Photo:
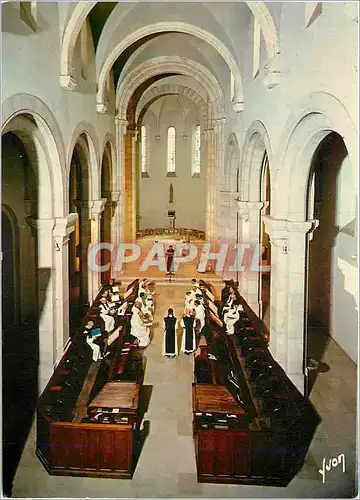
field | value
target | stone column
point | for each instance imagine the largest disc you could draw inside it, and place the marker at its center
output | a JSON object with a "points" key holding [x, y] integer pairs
{"points": [[134, 186], [46, 293], [209, 161], [250, 233], [288, 241], [61, 234], [298, 237], [129, 193], [118, 183], [213, 156], [96, 207], [218, 166]]}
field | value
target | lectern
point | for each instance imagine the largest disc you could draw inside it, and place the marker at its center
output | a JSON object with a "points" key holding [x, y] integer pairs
{"points": [[171, 217]]}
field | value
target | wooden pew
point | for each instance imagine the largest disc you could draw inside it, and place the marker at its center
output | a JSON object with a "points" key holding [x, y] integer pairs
{"points": [[251, 426], [68, 441]]}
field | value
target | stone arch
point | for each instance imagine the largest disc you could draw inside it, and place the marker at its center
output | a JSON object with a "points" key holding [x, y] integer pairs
{"points": [[81, 11], [91, 150], [163, 27], [148, 97], [48, 137], [232, 157], [159, 65], [313, 119], [42, 211], [268, 28], [256, 144], [109, 143]]}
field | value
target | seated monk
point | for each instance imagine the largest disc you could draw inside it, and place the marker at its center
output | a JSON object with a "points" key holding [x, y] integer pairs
{"points": [[96, 340]]}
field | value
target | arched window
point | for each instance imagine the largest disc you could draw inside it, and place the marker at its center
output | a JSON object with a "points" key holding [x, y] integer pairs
{"points": [[196, 151], [144, 155], [171, 150]]}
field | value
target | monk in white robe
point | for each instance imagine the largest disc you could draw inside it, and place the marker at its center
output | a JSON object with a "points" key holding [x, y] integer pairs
{"points": [[138, 327], [107, 314], [231, 316]]}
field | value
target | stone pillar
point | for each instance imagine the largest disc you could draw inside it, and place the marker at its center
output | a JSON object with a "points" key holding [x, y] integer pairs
{"points": [[218, 166], [46, 302], [288, 241], [118, 183], [96, 207], [116, 221], [209, 165], [250, 233], [130, 186], [61, 234], [213, 159], [134, 186]]}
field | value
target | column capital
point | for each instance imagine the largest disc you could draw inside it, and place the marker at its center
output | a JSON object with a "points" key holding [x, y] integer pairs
{"points": [[96, 207], [208, 132], [64, 226], [219, 124], [115, 196], [121, 124], [238, 105], [272, 73], [279, 230], [101, 108], [40, 224], [246, 207], [68, 82]]}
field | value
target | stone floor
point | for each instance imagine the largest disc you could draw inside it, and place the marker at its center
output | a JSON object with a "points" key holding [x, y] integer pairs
{"points": [[166, 467]]}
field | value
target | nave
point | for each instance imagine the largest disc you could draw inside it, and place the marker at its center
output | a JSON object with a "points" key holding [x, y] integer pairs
{"points": [[167, 468]]}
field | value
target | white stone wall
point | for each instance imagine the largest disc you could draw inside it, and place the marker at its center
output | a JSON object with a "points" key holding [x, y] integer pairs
{"points": [[30, 65], [189, 192]]}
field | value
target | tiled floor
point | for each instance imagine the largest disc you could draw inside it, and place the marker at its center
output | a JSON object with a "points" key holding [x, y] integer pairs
{"points": [[166, 467]]}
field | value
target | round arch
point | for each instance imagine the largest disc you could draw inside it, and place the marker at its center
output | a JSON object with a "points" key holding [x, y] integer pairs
{"points": [[167, 89], [164, 27], [41, 123], [256, 143], [81, 11], [91, 150], [314, 118], [159, 65]]}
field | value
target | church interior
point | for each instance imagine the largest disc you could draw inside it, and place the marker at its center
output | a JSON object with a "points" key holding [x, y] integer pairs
{"points": [[228, 130]]}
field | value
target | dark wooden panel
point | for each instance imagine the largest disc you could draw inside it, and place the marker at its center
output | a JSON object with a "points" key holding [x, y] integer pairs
{"points": [[107, 450], [241, 454], [123, 450], [59, 446], [207, 452], [43, 436], [90, 448], [224, 444]]}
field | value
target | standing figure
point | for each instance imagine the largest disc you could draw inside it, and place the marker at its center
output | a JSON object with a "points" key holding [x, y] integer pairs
{"points": [[231, 316], [138, 327], [199, 316], [189, 300], [148, 316], [188, 344], [170, 260], [170, 338], [107, 314]]}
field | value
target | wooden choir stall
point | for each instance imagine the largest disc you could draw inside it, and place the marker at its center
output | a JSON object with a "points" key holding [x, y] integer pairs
{"points": [[88, 416], [250, 423]]}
